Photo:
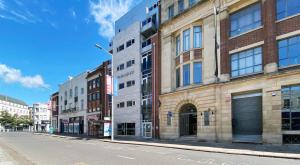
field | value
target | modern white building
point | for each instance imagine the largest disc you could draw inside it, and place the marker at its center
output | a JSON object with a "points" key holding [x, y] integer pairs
{"points": [[41, 117], [13, 106], [72, 105], [126, 57]]}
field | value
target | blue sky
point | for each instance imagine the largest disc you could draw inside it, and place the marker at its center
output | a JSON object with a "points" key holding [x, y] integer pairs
{"points": [[44, 42]]}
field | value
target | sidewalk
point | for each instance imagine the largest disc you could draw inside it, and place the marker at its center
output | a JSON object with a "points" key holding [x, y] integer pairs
{"points": [[6, 159], [284, 151]]}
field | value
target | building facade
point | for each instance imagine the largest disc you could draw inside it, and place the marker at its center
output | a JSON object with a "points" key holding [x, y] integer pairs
{"points": [[13, 106], [72, 105], [232, 75], [54, 110], [133, 46], [99, 99], [41, 115]]}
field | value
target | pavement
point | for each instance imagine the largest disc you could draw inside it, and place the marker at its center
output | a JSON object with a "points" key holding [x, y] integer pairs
{"points": [[274, 151]]}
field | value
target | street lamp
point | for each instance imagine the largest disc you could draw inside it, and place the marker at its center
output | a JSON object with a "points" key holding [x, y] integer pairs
{"points": [[112, 104]]}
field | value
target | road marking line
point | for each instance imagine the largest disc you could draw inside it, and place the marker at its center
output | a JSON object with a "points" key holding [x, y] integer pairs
{"points": [[125, 157]]}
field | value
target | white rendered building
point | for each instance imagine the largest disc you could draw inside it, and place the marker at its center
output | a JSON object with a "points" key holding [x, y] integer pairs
{"points": [[41, 117], [13, 106], [72, 105]]}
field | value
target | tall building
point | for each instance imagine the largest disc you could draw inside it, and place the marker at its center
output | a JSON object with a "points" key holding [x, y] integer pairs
{"points": [[132, 49], [72, 105], [231, 75], [41, 115], [99, 99], [13, 106], [54, 110]]}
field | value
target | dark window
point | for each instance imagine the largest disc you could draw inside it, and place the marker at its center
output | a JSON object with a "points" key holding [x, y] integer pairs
{"points": [[197, 72], [180, 6], [286, 8], [126, 129], [177, 77], [186, 74], [171, 11], [121, 105], [130, 103], [121, 86], [121, 67], [206, 118], [245, 20], [186, 40], [120, 48], [130, 83], [289, 51], [129, 43], [291, 108], [130, 63], [178, 45], [246, 62]]}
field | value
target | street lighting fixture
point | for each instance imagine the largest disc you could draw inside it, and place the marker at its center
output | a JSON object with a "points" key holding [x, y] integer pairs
{"points": [[112, 105]]}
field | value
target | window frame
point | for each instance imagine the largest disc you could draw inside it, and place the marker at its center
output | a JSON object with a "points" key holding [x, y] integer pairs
{"points": [[290, 57], [186, 35], [200, 37], [188, 74], [201, 71]]}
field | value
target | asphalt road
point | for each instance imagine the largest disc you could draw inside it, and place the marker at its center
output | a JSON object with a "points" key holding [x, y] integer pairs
{"points": [[27, 148]]}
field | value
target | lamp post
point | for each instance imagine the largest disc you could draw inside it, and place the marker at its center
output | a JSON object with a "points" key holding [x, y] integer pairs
{"points": [[112, 104]]}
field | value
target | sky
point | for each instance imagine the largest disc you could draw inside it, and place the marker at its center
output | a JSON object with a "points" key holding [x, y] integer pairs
{"points": [[42, 42]]}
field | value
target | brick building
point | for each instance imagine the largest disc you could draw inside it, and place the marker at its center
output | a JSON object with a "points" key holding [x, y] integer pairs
{"points": [[54, 110], [252, 92], [98, 100]]}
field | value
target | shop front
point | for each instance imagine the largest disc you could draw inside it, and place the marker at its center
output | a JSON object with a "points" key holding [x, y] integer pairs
{"points": [[73, 125], [95, 126]]}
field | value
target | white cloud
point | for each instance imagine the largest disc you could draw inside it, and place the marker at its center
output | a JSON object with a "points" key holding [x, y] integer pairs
{"points": [[2, 6], [12, 75], [73, 14], [106, 12]]}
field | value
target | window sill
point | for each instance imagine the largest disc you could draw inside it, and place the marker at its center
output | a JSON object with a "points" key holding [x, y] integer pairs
{"points": [[286, 18], [259, 27], [246, 75], [295, 66]]}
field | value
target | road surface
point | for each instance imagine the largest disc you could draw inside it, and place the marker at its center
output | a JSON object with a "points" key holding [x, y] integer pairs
{"points": [[27, 148]]}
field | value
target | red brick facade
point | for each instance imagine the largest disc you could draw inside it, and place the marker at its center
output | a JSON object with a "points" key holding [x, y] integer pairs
{"points": [[270, 29]]}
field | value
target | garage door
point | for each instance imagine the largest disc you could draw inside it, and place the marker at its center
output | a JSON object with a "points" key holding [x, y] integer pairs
{"points": [[247, 118]]}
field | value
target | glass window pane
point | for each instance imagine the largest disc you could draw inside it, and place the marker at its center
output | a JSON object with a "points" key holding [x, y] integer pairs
{"points": [[197, 72], [186, 74]]}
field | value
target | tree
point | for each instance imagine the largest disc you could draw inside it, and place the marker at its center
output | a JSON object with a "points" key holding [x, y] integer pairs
{"points": [[7, 119]]}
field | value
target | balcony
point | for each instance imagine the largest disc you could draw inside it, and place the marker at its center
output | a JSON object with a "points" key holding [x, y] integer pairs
{"points": [[146, 46], [148, 27]]}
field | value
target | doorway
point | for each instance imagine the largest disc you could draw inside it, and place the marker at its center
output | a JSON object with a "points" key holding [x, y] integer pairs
{"points": [[188, 120]]}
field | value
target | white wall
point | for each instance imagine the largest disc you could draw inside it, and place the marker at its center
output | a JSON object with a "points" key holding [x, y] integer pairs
{"points": [[128, 114]]}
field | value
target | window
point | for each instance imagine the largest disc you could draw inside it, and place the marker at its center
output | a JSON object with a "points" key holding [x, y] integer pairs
{"points": [[120, 67], [82, 91], [289, 51], [76, 91], [66, 94], [71, 93], [186, 40], [291, 108], [206, 118], [171, 11], [126, 128], [121, 105], [129, 43], [177, 45], [286, 8], [246, 62], [130, 63], [121, 86], [82, 104], [169, 118], [186, 74], [192, 2], [197, 72], [130, 103], [197, 37], [177, 77], [245, 20], [180, 6], [120, 48], [130, 83]]}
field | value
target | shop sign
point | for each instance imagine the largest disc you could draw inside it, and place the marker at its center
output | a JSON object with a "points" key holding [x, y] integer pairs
{"points": [[108, 84], [107, 129], [107, 118], [93, 117]]}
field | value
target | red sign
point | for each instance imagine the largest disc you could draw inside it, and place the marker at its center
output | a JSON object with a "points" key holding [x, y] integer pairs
{"points": [[108, 84]]}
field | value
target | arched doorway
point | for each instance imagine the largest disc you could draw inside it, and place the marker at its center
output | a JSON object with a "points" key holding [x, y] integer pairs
{"points": [[188, 120]]}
